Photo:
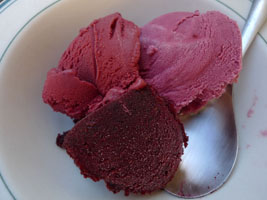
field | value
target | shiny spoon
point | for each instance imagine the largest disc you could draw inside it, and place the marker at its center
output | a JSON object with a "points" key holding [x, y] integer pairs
{"points": [[213, 143]]}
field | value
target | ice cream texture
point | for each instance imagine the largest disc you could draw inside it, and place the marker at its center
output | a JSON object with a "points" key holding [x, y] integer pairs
{"points": [[134, 143], [103, 56], [190, 58]]}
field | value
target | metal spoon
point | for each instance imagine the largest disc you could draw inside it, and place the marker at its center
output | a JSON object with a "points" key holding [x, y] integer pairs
{"points": [[213, 143]]}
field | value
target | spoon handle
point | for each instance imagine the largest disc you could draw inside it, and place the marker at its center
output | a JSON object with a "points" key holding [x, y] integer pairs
{"points": [[256, 17]]}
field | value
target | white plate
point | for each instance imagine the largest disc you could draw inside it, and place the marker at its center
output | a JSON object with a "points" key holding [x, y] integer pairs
{"points": [[33, 167]]}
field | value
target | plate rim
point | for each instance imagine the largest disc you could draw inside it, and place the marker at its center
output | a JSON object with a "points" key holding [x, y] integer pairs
{"points": [[4, 5]]}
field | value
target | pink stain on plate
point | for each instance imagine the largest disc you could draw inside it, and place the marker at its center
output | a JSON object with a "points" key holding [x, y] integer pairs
{"points": [[250, 113], [251, 109], [248, 146], [264, 133]]}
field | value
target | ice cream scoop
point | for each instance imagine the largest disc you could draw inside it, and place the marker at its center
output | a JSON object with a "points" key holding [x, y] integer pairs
{"points": [[102, 57], [190, 58], [134, 143]]}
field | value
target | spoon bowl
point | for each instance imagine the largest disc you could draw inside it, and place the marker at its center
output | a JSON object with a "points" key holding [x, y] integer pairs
{"points": [[211, 153]]}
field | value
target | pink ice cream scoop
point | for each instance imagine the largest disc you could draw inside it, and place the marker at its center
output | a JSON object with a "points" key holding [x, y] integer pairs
{"points": [[103, 56], [189, 58]]}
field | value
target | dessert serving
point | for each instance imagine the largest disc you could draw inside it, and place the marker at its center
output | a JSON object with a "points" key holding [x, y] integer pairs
{"points": [[125, 87]]}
